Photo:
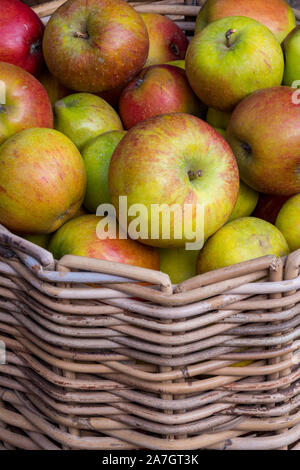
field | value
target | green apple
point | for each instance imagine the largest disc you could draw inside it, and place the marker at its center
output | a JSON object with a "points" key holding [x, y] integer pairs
{"points": [[221, 131], [291, 48], [40, 240], [217, 119], [231, 58], [288, 221], [177, 63], [246, 202], [241, 240], [180, 264], [83, 116], [96, 155]]}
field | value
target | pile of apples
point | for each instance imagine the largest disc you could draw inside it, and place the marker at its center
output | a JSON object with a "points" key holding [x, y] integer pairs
{"points": [[104, 102]]}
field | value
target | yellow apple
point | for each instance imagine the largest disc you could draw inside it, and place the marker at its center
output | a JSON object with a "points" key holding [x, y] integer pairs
{"points": [[246, 202], [241, 240], [180, 264], [288, 222]]}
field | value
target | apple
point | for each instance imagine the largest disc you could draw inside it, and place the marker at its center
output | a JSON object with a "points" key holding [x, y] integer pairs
{"points": [[40, 240], [221, 131], [83, 116], [81, 211], [268, 207], [24, 102], [42, 181], [174, 159], [291, 48], [95, 46], [166, 40], [79, 237], [231, 58], [264, 134], [21, 33], [96, 156], [277, 15], [158, 89], [178, 63], [216, 118], [180, 264], [241, 240], [43, 239], [288, 222], [246, 202], [56, 91], [112, 96]]}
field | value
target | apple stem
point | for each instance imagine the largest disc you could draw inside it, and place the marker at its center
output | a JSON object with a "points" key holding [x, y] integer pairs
{"points": [[228, 35], [194, 174], [80, 35]]}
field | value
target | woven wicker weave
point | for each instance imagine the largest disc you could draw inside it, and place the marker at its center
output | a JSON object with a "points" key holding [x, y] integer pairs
{"points": [[102, 355]]}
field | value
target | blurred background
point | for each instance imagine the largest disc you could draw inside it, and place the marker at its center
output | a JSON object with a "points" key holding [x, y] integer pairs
{"points": [[295, 3]]}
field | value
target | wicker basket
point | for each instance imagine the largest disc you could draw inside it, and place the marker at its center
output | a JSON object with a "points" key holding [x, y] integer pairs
{"points": [[102, 355]]}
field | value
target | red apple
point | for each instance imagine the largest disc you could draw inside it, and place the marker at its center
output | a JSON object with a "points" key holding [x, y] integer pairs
{"points": [[25, 102], [264, 134], [96, 45], [277, 15], [268, 207], [21, 33], [79, 237], [158, 89], [166, 40], [42, 181]]}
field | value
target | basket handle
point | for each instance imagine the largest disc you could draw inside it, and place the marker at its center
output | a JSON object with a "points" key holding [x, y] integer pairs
{"points": [[15, 242]]}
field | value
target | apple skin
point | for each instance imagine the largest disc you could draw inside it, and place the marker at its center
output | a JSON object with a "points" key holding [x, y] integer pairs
{"points": [[56, 91], [222, 75], [27, 102], [180, 264], [21, 33], [177, 63], [277, 15], [96, 156], [268, 158], [83, 116], [112, 96], [241, 240], [40, 240], [166, 40], [246, 202], [268, 207], [288, 222], [216, 118], [221, 131], [291, 49], [157, 163], [95, 47], [42, 182], [78, 237], [158, 89]]}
